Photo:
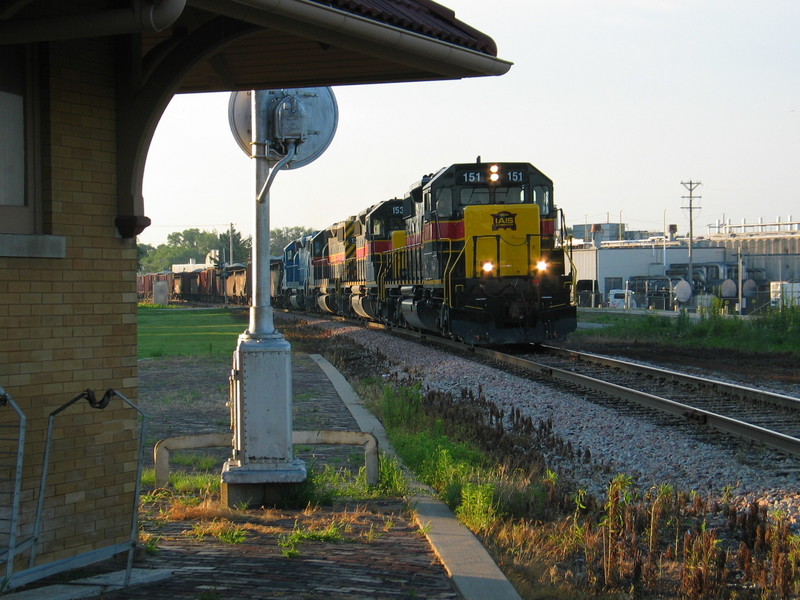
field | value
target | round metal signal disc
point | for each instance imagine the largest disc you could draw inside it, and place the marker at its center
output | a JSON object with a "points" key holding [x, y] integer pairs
{"points": [[239, 119], [322, 115]]}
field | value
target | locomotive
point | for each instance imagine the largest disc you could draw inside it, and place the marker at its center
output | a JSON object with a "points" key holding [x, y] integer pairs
{"points": [[474, 252]]}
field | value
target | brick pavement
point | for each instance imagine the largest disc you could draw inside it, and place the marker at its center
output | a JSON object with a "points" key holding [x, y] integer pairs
{"points": [[381, 554]]}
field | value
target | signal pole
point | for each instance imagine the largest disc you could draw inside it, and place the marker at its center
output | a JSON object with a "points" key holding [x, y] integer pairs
{"points": [[284, 129], [691, 185]]}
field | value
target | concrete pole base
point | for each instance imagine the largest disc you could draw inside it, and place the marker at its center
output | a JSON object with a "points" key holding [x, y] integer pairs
{"points": [[275, 484], [256, 495]]}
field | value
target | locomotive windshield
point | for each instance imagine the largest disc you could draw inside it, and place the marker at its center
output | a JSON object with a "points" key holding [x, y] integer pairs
{"points": [[492, 195], [381, 228], [470, 196]]}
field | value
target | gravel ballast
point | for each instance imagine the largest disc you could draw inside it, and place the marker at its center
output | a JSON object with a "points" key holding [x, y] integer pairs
{"points": [[647, 449]]}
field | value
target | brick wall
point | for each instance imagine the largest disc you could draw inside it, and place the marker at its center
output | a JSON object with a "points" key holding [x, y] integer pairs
{"points": [[70, 324]]}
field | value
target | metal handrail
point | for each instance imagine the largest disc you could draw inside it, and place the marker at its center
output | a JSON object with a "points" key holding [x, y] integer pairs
{"points": [[13, 521], [100, 404], [448, 273]]}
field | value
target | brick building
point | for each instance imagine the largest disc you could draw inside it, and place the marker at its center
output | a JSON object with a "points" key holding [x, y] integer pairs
{"points": [[82, 87]]}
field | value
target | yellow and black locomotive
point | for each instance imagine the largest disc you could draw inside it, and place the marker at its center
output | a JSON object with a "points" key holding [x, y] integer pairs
{"points": [[474, 252]]}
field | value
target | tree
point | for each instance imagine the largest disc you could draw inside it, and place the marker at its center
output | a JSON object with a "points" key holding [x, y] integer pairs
{"points": [[142, 250], [242, 247], [192, 245], [279, 238]]}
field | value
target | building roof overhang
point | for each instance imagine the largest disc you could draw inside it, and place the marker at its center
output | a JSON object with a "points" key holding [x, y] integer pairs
{"points": [[164, 47], [279, 43]]}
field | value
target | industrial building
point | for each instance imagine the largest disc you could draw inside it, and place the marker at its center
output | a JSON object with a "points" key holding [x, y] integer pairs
{"points": [[746, 267]]}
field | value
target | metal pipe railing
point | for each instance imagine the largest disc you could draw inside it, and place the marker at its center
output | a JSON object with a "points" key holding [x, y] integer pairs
{"points": [[15, 466], [98, 404]]}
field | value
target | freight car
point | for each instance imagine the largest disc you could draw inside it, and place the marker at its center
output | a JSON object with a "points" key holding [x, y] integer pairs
{"points": [[473, 252], [230, 284]]}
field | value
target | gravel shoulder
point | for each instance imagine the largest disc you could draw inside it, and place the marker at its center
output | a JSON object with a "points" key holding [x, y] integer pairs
{"points": [[653, 451]]}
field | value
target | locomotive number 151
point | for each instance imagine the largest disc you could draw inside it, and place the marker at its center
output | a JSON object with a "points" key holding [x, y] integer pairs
{"points": [[478, 177]]}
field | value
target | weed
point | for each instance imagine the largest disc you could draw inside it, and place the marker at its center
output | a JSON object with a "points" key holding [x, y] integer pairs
{"points": [[424, 528], [222, 529], [290, 543], [388, 523], [200, 483], [371, 535], [478, 509], [151, 543], [155, 496], [148, 477]]}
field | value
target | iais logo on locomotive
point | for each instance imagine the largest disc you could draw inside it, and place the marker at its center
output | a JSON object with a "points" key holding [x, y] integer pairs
{"points": [[504, 220]]}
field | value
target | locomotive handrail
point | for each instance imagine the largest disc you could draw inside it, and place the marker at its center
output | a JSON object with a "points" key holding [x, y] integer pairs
{"points": [[572, 270], [380, 279], [407, 249], [531, 259], [448, 275]]}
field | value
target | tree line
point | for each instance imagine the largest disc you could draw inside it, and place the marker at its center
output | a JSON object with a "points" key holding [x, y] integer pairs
{"points": [[194, 245]]}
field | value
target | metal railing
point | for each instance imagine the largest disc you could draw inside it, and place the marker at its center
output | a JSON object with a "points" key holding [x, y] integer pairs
{"points": [[34, 572], [11, 460]]}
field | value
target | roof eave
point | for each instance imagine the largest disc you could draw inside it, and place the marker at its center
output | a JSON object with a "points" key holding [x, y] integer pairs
{"points": [[307, 19]]}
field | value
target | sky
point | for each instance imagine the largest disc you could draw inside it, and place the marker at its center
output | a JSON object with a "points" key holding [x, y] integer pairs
{"points": [[617, 101]]}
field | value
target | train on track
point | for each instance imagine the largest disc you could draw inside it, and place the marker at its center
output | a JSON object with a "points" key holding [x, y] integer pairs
{"points": [[474, 252]]}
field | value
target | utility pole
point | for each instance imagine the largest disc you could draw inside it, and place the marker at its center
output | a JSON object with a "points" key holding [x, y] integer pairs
{"points": [[230, 244], [691, 185]]}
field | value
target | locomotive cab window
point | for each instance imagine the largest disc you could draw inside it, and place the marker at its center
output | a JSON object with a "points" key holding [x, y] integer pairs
{"points": [[543, 197], [382, 228], [444, 202], [471, 196]]}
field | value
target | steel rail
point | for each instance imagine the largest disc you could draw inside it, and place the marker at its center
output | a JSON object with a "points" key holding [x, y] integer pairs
{"points": [[773, 439], [734, 389], [779, 441]]}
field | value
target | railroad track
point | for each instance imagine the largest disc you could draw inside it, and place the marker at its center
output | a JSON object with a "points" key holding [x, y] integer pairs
{"points": [[757, 415], [748, 413], [760, 416]]}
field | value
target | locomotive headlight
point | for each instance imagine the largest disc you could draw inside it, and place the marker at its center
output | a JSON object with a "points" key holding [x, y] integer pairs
{"points": [[494, 173], [488, 267], [541, 265]]}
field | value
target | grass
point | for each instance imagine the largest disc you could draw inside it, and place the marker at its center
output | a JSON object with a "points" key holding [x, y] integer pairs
{"points": [[189, 332], [290, 543], [195, 460], [554, 539], [774, 331]]}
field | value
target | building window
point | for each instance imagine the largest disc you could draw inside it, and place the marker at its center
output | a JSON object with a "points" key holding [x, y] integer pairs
{"points": [[18, 190]]}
